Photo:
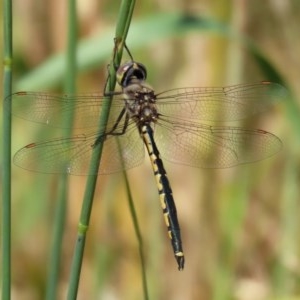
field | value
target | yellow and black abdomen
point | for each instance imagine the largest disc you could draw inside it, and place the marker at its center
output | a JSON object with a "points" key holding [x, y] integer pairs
{"points": [[165, 194]]}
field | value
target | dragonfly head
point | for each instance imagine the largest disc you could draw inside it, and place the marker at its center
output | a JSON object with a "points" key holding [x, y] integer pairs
{"points": [[131, 71]]}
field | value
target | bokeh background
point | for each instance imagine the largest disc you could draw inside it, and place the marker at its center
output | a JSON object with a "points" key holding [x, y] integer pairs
{"points": [[240, 226]]}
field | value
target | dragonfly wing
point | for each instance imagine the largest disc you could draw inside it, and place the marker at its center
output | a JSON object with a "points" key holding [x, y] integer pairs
{"points": [[50, 108], [63, 155], [214, 146], [73, 155], [221, 103], [123, 152]]}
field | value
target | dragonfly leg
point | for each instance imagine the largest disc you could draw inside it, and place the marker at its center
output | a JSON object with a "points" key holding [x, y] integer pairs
{"points": [[118, 43], [113, 130]]}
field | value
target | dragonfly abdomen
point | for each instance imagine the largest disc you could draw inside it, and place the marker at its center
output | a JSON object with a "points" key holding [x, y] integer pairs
{"points": [[165, 195]]}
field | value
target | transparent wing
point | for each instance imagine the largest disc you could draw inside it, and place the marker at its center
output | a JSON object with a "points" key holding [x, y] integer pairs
{"points": [[72, 155], [49, 108], [220, 103], [191, 143], [205, 146]]}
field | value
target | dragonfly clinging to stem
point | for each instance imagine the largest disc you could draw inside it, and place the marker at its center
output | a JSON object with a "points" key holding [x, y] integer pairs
{"points": [[180, 121]]}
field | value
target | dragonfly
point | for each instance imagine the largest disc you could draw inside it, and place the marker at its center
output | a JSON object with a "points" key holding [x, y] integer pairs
{"points": [[186, 124]]}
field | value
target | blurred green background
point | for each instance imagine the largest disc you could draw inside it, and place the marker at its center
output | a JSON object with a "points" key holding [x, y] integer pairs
{"points": [[240, 226]]}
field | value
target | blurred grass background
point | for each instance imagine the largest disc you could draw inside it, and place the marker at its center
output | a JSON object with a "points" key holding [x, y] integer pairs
{"points": [[239, 225]]}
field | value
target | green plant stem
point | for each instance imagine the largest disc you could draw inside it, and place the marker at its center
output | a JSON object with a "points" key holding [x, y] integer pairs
{"points": [[6, 162], [137, 230], [57, 237], [123, 23], [61, 207], [138, 235]]}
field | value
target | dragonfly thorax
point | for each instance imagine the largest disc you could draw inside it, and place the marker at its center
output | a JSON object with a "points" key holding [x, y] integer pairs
{"points": [[140, 102]]}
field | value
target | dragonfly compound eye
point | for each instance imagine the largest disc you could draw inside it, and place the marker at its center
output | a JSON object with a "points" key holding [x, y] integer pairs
{"points": [[131, 71]]}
